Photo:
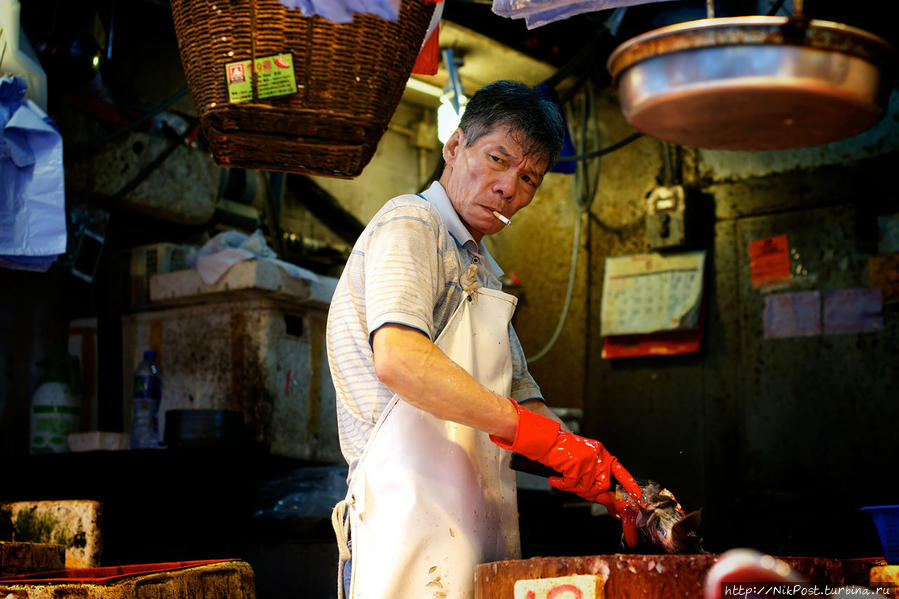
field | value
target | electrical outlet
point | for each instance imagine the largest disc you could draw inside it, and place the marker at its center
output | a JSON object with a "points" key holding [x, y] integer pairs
{"points": [[665, 227]]}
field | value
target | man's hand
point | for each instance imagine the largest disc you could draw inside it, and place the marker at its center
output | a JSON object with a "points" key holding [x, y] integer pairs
{"points": [[625, 510], [586, 468]]}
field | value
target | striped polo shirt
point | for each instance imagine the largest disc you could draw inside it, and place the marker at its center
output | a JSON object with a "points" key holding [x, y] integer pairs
{"points": [[404, 268]]}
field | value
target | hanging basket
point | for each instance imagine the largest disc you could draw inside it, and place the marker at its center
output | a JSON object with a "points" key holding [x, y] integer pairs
{"points": [[279, 91]]}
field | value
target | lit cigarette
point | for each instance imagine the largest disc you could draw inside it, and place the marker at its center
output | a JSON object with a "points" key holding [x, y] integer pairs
{"points": [[502, 218]]}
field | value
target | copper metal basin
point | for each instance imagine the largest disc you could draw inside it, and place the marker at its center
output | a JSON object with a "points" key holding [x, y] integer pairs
{"points": [[754, 83]]}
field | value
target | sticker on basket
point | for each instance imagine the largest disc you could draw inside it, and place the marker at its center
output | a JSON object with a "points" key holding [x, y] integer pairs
{"points": [[274, 77]]}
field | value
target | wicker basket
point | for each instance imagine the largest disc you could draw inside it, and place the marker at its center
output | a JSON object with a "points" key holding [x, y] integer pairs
{"points": [[349, 80]]}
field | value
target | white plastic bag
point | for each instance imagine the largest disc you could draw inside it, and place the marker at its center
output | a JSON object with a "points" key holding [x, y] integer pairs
{"points": [[228, 248], [32, 191]]}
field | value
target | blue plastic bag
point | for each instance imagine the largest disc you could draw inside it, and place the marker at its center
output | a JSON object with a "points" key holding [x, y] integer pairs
{"points": [[341, 11], [542, 12], [32, 190]]}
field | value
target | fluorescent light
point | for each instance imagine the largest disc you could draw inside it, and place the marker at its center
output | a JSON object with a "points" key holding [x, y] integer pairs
{"points": [[424, 87]]}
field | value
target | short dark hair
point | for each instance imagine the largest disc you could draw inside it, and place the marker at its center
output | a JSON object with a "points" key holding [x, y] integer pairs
{"points": [[520, 107]]}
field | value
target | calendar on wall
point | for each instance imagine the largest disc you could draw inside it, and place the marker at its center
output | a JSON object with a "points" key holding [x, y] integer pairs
{"points": [[648, 293]]}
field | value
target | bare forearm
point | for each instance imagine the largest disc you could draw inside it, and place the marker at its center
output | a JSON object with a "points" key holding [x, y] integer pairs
{"points": [[420, 373]]}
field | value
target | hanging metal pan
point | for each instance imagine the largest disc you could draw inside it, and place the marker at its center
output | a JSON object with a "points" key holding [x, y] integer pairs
{"points": [[753, 83]]}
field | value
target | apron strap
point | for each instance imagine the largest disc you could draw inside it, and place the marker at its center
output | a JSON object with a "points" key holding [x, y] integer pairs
{"points": [[469, 280], [341, 524]]}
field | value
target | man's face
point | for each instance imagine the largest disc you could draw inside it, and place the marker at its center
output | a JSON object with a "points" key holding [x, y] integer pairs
{"points": [[492, 174]]}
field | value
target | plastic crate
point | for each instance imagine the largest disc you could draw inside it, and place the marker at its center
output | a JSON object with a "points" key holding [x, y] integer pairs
{"points": [[886, 519]]}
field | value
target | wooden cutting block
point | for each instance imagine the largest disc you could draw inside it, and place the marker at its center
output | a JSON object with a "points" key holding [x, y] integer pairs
{"points": [[75, 524], [24, 558], [222, 580], [625, 576]]}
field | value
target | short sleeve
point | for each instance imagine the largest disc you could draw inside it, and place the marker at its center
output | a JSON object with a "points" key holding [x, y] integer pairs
{"points": [[402, 269], [523, 385]]}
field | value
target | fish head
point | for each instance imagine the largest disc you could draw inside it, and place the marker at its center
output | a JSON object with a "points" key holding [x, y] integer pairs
{"points": [[661, 522], [674, 532]]}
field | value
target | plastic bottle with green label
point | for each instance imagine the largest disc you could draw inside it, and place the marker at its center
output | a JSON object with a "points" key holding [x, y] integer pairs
{"points": [[56, 406], [145, 409]]}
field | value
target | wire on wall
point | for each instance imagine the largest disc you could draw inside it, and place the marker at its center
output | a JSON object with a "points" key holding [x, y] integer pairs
{"points": [[583, 190]]}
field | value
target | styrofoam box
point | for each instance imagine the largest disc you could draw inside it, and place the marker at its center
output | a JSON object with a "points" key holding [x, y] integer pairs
{"points": [[242, 347]]}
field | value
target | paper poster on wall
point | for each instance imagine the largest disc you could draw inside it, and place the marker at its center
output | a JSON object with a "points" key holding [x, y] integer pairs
{"points": [[648, 293], [769, 261], [849, 311], [792, 315]]}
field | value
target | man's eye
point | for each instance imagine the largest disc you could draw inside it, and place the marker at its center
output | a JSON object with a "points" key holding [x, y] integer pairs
{"points": [[494, 158]]}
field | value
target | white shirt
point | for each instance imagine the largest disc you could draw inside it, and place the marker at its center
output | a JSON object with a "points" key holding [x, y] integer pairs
{"points": [[404, 268]]}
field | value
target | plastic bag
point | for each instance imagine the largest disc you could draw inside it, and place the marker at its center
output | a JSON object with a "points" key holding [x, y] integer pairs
{"points": [[228, 248], [548, 92], [541, 12], [32, 193], [341, 11]]}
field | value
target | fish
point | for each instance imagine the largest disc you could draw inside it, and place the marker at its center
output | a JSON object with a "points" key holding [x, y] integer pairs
{"points": [[662, 525]]}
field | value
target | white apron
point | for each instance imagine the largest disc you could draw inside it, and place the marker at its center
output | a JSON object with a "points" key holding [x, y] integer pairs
{"points": [[431, 499]]}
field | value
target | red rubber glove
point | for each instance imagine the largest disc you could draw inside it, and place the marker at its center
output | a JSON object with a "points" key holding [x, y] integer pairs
{"points": [[585, 466], [625, 509]]}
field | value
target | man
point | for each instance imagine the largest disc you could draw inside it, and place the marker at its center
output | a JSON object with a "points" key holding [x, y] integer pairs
{"points": [[431, 377]]}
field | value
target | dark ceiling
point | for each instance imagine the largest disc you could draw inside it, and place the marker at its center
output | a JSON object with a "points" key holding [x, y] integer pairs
{"points": [[67, 35], [558, 43]]}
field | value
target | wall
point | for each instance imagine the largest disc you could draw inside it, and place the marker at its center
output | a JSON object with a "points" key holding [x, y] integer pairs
{"points": [[397, 167], [779, 440]]}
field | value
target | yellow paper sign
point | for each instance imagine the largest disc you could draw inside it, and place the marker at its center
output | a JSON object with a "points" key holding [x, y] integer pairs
{"points": [[577, 586], [274, 77]]}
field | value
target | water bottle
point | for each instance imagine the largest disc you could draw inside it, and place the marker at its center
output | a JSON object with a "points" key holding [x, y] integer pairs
{"points": [[146, 396], [56, 405]]}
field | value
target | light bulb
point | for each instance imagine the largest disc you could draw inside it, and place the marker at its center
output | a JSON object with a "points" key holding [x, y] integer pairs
{"points": [[447, 118]]}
